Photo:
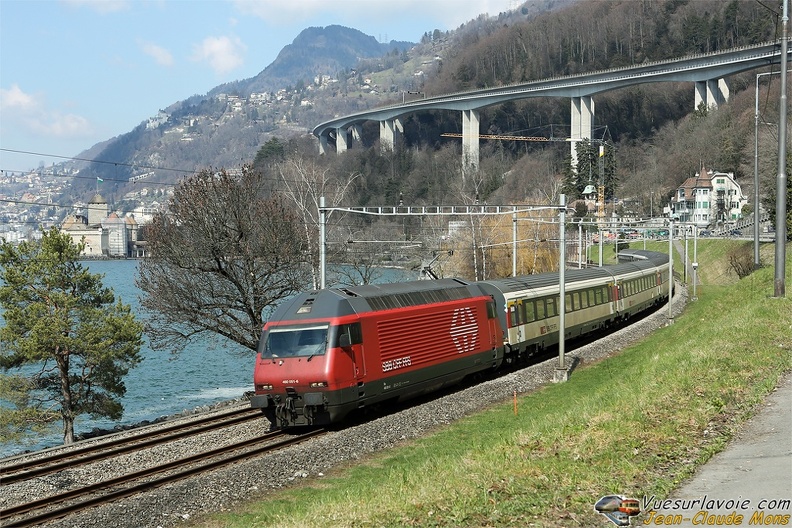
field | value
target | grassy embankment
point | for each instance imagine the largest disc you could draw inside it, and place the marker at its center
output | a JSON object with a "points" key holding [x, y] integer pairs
{"points": [[635, 424]]}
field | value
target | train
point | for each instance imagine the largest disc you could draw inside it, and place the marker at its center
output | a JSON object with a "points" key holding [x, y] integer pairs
{"points": [[327, 353]]}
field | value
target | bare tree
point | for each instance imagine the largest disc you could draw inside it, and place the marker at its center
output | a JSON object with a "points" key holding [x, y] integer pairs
{"points": [[223, 253], [304, 182]]}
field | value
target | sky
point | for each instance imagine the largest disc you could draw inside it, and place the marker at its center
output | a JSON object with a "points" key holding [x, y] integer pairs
{"points": [[77, 72]]}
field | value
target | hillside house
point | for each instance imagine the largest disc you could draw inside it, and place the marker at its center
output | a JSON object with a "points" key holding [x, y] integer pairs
{"points": [[708, 198]]}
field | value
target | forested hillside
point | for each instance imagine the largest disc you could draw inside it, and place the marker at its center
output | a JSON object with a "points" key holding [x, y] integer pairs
{"points": [[658, 137]]}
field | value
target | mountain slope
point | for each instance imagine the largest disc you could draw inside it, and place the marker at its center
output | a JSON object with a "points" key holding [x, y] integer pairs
{"points": [[226, 126], [329, 50]]}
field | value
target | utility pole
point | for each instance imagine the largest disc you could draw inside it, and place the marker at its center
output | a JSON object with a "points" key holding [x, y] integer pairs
{"points": [[757, 261], [779, 289], [561, 371]]}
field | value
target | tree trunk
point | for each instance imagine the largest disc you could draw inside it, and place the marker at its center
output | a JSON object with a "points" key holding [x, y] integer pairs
{"points": [[68, 429], [67, 408]]}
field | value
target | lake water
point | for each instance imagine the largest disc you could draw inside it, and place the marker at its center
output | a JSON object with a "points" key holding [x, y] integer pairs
{"points": [[164, 384]]}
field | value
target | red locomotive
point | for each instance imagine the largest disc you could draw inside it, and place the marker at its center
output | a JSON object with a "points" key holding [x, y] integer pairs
{"points": [[326, 353]]}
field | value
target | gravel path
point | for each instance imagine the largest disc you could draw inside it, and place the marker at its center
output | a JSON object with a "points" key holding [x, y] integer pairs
{"points": [[219, 490]]}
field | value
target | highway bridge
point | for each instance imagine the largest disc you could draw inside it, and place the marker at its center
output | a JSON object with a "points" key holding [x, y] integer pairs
{"points": [[707, 72]]}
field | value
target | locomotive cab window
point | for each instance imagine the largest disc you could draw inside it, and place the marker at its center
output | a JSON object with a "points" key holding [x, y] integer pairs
{"points": [[280, 342], [491, 311], [348, 333]]}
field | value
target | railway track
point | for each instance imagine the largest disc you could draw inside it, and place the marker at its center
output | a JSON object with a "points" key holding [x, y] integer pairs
{"points": [[146, 437], [56, 506]]}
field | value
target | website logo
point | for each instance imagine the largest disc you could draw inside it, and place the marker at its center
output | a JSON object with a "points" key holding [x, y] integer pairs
{"points": [[618, 509]]}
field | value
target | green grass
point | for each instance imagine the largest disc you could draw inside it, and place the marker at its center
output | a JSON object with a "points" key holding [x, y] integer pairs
{"points": [[635, 424]]}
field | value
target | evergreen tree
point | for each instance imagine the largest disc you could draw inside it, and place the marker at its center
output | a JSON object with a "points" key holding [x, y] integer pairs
{"points": [[609, 170], [569, 184], [66, 339], [273, 151], [586, 168]]}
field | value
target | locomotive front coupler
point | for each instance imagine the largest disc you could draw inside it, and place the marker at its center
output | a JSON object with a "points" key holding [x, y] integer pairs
{"points": [[285, 412]]}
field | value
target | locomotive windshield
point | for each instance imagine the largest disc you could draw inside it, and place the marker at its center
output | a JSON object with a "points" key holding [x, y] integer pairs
{"points": [[294, 342]]}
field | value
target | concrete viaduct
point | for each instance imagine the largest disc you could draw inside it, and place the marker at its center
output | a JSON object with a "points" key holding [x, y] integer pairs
{"points": [[706, 71]]}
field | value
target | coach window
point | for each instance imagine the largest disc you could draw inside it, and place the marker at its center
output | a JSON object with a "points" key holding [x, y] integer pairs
{"points": [[530, 311], [583, 299], [540, 309], [598, 296], [552, 306], [569, 303]]}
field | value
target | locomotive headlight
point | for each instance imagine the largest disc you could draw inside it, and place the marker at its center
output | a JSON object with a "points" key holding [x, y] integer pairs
{"points": [[264, 386], [318, 384]]}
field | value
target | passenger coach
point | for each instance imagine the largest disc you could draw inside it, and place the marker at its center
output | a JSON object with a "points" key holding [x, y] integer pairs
{"points": [[595, 298]]}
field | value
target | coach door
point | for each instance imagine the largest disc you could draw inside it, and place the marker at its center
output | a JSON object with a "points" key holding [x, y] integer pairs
{"points": [[616, 297]]}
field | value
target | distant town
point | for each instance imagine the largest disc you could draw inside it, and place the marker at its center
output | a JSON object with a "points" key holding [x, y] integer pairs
{"points": [[32, 200], [29, 203]]}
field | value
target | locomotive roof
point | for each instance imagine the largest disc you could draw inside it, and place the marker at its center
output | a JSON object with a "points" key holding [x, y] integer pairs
{"points": [[338, 302], [376, 290], [403, 294]]}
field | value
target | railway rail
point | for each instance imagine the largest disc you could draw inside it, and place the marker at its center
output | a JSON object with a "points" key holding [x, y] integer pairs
{"points": [[145, 437], [52, 507]]}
